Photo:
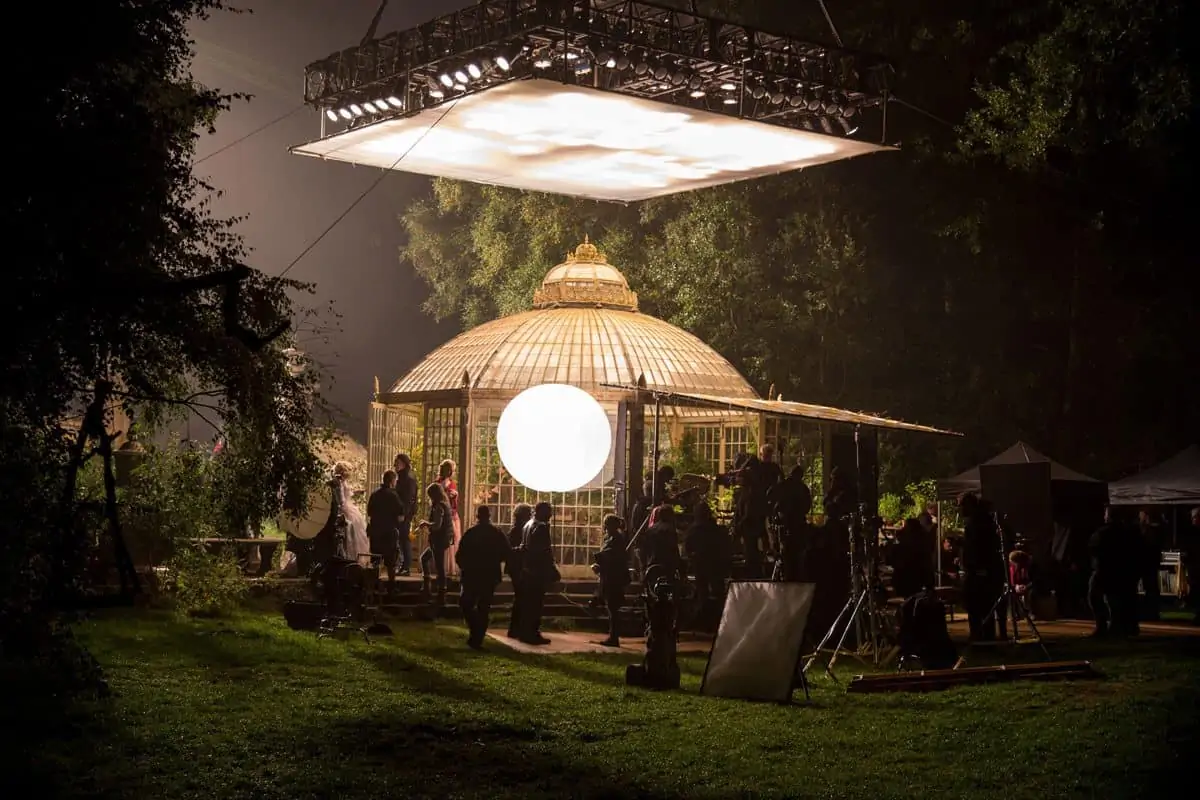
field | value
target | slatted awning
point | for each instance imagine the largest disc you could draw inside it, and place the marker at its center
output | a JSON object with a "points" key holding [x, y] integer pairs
{"points": [[784, 408]]}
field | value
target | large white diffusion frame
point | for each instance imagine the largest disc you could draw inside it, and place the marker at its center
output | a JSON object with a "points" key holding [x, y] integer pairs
{"points": [[554, 438], [548, 137], [756, 653]]}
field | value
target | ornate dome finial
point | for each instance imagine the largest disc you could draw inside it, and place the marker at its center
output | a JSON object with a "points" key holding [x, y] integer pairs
{"points": [[586, 253], [585, 278]]}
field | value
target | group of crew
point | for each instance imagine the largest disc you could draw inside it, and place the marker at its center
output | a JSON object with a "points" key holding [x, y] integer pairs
{"points": [[770, 517]]}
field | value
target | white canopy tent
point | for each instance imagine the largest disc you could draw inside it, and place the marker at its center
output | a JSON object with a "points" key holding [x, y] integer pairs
{"points": [[1175, 481]]}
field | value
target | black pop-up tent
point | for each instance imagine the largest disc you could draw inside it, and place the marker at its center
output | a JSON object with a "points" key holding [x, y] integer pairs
{"points": [[1175, 481], [1055, 507], [1019, 453]]}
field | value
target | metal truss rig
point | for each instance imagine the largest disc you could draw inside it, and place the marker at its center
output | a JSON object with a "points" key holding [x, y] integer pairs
{"points": [[629, 47]]}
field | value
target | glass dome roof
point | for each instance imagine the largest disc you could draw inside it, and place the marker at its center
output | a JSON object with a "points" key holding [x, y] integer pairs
{"points": [[585, 330]]}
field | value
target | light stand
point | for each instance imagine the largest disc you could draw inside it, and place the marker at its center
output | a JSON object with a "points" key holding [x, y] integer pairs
{"points": [[862, 594], [1016, 608]]}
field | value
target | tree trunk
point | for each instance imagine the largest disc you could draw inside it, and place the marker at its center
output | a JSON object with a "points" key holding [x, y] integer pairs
{"points": [[130, 583]]}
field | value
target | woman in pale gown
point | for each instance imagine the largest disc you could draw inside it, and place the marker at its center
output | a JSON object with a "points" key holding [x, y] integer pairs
{"points": [[357, 542]]}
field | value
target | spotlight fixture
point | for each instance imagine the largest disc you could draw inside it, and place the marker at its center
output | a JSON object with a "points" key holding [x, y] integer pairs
{"points": [[345, 112], [543, 60], [849, 111], [436, 92], [661, 72], [369, 106], [460, 87], [356, 109], [730, 101], [696, 94], [777, 98], [505, 57], [572, 56], [446, 80], [695, 83], [583, 66], [474, 71], [333, 117], [461, 76], [814, 102], [606, 58], [623, 63], [393, 101], [758, 92], [728, 87], [795, 101]]}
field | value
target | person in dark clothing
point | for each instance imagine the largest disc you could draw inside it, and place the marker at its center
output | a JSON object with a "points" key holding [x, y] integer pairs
{"points": [[708, 552], [983, 565], [663, 544], [1151, 559], [406, 489], [538, 573], [481, 552], [790, 502], [612, 566], [516, 539], [912, 560], [441, 536], [1112, 588], [750, 516], [384, 515]]}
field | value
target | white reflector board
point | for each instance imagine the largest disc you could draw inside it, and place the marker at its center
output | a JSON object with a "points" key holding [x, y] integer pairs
{"points": [[757, 648], [545, 136], [313, 521]]}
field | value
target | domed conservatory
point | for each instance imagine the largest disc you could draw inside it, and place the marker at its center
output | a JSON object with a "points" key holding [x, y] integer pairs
{"points": [[655, 380]]}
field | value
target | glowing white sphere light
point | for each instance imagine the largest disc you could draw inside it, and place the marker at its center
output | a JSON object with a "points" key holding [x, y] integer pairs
{"points": [[554, 438]]}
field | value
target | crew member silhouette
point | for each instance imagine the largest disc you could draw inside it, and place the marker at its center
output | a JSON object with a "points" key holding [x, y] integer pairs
{"points": [[481, 552]]}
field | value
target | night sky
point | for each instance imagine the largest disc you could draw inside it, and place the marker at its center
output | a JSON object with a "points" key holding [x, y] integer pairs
{"points": [[289, 200]]}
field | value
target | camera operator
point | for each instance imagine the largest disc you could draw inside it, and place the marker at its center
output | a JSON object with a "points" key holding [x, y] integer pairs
{"points": [[790, 503]]}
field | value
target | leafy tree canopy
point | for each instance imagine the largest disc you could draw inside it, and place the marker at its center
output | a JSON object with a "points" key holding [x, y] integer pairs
{"points": [[127, 290], [1009, 273]]}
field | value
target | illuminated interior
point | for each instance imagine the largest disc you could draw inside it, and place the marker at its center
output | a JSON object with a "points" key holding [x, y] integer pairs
{"points": [[545, 136]]}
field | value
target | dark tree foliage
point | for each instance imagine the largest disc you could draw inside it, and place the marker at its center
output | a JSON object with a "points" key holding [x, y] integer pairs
{"points": [[1016, 271], [124, 288]]}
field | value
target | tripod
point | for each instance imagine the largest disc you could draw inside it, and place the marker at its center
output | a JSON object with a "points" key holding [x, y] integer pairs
{"points": [[860, 612], [1013, 604]]}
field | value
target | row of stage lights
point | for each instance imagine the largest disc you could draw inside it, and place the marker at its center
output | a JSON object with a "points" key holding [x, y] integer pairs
{"points": [[372, 107], [458, 78]]}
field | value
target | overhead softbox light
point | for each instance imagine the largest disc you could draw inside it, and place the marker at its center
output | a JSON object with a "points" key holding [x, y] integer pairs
{"points": [[757, 648]]}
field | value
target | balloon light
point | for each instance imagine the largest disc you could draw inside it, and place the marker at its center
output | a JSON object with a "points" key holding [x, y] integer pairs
{"points": [[554, 438]]}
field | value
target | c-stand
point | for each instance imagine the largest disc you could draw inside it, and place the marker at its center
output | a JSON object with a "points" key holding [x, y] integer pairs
{"points": [[860, 612], [1010, 602]]}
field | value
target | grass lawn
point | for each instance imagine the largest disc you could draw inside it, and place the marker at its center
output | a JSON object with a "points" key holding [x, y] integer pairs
{"points": [[248, 708]]}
